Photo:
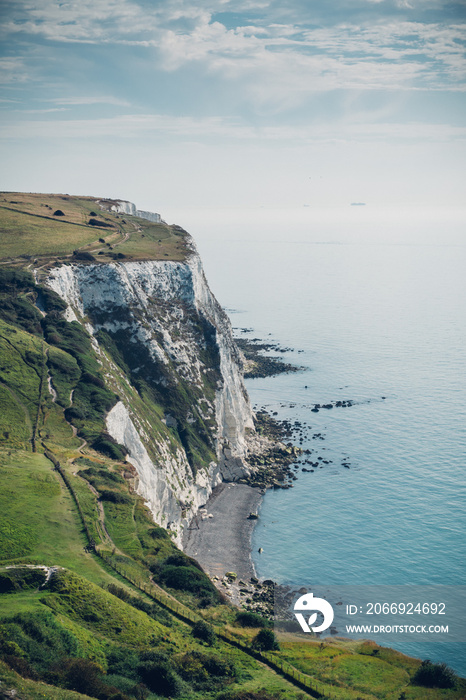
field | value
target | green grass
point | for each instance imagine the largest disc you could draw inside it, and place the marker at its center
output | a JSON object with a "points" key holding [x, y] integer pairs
{"points": [[22, 232], [101, 612], [154, 241], [122, 528], [26, 364], [26, 404], [65, 373], [29, 230], [15, 422], [349, 669], [38, 519], [21, 367]]}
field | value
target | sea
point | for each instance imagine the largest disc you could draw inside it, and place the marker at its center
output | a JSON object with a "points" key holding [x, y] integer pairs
{"points": [[371, 304]]}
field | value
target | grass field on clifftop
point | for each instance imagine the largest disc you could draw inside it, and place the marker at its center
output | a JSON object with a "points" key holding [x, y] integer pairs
{"points": [[30, 229]]}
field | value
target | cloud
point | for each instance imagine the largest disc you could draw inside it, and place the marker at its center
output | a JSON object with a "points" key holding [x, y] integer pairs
{"points": [[271, 55], [71, 101], [89, 21], [280, 66], [40, 111], [13, 70]]}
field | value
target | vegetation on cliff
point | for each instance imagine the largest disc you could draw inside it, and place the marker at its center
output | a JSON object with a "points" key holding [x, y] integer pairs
{"points": [[30, 229], [96, 601]]}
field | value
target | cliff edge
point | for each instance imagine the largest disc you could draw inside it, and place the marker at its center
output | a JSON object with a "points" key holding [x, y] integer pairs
{"points": [[167, 350]]}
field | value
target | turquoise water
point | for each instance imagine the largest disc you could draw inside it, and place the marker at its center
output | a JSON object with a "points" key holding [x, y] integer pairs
{"points": [[375, 304]]}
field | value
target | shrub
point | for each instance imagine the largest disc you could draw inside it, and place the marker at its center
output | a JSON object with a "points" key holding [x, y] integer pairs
{"points": [[434, 675], [203, 631], [11, 278], [58, 212], [39, 638], [21, 579], [82, 675], [250, 619], [204, 671], [83, 255], [21, 666], [248, 695], [119, 592], [102, 224], [108, 446], [90, 378], [123, 662], [187, 578], [158, 533], [180, 559], [114, 497], [157, 673], [265, 640], [52, 302]]}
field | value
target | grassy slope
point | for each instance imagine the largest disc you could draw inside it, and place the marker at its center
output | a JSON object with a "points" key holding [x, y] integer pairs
{"points": [[40, 524], [28, 229]]}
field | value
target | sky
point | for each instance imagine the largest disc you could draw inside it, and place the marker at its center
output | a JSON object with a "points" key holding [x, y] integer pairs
{"points": [[236, 103]]}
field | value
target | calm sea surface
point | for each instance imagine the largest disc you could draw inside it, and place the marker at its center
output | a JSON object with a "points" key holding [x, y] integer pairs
{"points": [[373, 305]]}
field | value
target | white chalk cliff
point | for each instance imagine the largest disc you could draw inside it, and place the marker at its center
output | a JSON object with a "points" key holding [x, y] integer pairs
{"points": [[124, 207], [178, 347]]}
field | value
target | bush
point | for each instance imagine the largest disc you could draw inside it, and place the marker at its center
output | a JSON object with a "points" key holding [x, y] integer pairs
{"points": [[205, 671], [151, 609], [265, 640], [52, 302], [119, 592], [96, 222], [21, 666], [187, 578], [180, 559], [82, 675], [158, 533], [39, 639], [83, 255], [156, 672], [21, 579], [108, 446], [205, 632], [123, 662], [114, 497], [11, 278], [434, 675], [58, 212], [250, 619], [248, 695]]}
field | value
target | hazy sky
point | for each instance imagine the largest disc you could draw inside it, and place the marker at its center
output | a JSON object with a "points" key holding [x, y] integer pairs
{"points": [[212, 103]]}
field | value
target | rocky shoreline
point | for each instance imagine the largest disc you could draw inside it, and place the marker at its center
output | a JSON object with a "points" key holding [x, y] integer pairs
{"points": [[259, 365], [273, 460], [220, 540], [219, 537]]}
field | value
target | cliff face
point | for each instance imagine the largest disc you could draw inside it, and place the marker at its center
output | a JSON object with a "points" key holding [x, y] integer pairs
{"points": [[124, 207], [167, 350]]}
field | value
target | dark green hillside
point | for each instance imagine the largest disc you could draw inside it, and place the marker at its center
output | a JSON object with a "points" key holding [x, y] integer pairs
{"points": [[96, 600]]}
